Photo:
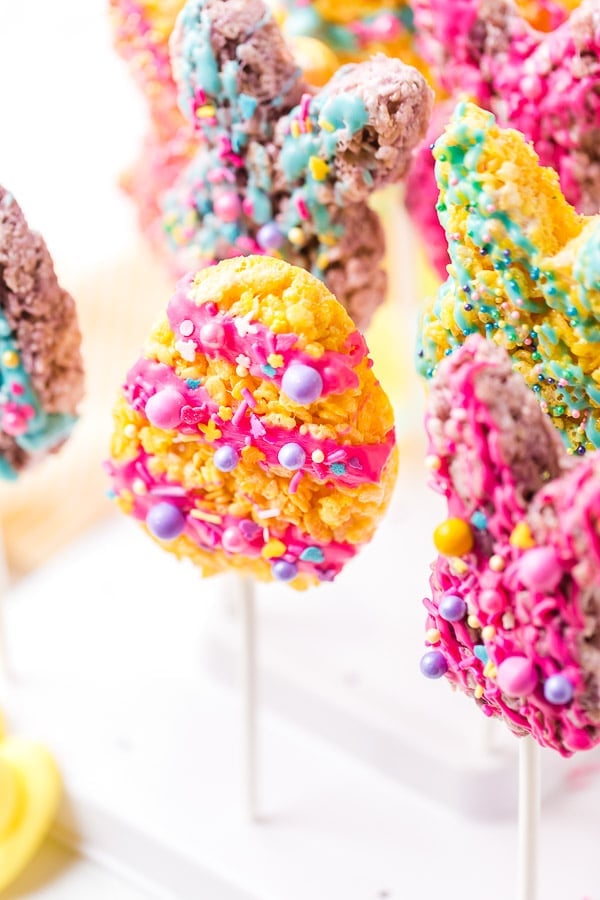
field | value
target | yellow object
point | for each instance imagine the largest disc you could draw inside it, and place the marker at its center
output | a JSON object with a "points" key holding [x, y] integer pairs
{"points": [[30, 791], [318, 168], [521, 537], [318, 62], [489, 670], [273, 549], [453, 537]]}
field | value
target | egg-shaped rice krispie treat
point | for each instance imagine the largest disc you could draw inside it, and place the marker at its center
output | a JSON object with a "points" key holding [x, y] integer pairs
{"points": [[252, 433]]}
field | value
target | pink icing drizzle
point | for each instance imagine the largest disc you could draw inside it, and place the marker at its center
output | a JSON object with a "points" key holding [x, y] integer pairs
{"points": [[364, 462], [336, 369]]}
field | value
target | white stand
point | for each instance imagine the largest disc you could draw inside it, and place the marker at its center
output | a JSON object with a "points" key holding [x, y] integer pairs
{"points": [[529, 818], [249, 695]]}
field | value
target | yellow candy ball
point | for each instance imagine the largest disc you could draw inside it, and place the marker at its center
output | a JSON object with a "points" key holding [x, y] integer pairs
{"points": [[453, 537]]}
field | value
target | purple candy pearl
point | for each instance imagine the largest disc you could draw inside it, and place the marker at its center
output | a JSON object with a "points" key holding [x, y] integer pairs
{"points": [[291, 456], [433, 664], [452, 608], [226, 458], [284, 571], [558, 690], [165, 521], [302, 384], [270, 237]]}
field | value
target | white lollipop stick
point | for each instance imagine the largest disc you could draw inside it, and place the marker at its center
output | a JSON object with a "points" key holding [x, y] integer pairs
{"points": [[529, 818], [249, 697], [487, 735]]}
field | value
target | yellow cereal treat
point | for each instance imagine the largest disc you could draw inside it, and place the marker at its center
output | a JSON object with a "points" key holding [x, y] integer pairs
{"points": [[525, 271], [253, 434]]}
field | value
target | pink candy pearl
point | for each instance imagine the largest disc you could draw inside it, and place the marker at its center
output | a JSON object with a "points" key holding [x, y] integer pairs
{"points": [[14, 422], [227, 206], [233, 540], [516, 676], [386, 27], [163, 409], [492, 602], [212, 335], [539, 569]]}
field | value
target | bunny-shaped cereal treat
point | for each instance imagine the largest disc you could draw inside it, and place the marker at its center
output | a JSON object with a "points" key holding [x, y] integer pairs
{"points": [[282, 170], [513, 618], [279, 168], [525, 271]]}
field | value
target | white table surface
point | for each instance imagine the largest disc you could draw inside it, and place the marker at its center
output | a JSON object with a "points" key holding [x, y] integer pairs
{"points": [[59, 874]]}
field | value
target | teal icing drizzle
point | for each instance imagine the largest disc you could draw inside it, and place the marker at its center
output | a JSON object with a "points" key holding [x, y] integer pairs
{"points": [[471, 296], [21, 414], [249, 158]]}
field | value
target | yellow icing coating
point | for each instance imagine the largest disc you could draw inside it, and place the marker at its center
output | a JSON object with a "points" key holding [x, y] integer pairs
{"points": [[285, 299]]}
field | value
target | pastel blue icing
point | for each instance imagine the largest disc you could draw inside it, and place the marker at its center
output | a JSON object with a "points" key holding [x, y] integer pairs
{"points": [[44, 430]]}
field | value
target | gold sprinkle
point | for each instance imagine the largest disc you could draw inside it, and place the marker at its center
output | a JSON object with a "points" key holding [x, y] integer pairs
{"points": [[489, 670], [521, 537], [473, 622], [296, 236], [295, 128], [497, 563], [10, 358], [273, 549], [210, 431], [205, 112], [458, 566], [275, 360], [323, 123], [508, 621], [488, 633], [478, 692], [205, 516], [318, 168]]}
